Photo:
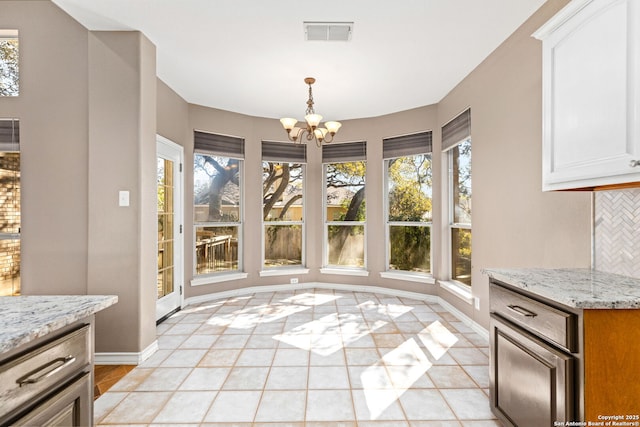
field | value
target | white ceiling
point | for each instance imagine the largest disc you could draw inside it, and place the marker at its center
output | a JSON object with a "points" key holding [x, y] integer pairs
{"points": [[250, 56]]}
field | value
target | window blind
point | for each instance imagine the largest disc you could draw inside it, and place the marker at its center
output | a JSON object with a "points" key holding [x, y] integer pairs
{"points": [[9, 135], [212, 143], [457, 130], [273, 151], [345, 152], [407, 145]]}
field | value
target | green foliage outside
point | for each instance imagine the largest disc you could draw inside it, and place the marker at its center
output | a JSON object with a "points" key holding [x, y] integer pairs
{"points": [[410, 205]]}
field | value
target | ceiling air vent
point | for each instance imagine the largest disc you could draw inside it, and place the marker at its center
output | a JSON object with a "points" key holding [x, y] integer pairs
{"points": [[328, 31]]}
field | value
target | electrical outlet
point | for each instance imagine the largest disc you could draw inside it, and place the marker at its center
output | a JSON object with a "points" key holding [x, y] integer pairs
{"points": [[293, 280], [476, 303]]}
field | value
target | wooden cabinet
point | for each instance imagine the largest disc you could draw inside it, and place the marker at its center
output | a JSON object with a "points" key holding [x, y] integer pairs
{"points": [[49, 381], [611, 361], [591, 95], [532, 369], [553, 363]]}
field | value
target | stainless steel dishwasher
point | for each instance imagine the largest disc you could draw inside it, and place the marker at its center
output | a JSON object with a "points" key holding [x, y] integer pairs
{"points": [[533, 364]]}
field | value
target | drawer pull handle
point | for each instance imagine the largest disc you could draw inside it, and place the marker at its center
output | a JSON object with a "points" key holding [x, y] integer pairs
{"points": [[61, 362], [521, 311]]}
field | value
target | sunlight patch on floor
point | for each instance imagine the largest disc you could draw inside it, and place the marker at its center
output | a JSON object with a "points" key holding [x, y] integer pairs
{"points": [[385, 381], [437, 339]]}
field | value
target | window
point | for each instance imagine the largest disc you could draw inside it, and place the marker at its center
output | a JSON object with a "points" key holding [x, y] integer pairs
{"points": [[217, 197], [456, 142], [9, 63], [344, 167], [9, 207], [408, 195], [283, 172]]}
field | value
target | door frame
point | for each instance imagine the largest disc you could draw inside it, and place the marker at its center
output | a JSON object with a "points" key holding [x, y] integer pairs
{"points": [[170, 150]]}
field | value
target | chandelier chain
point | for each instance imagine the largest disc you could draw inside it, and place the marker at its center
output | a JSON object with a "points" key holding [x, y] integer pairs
{"points": [[310, 102]]}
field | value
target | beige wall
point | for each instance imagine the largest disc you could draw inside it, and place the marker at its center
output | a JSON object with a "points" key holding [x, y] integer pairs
{"points": [[515, 224], [122, 147], [52, 108]]}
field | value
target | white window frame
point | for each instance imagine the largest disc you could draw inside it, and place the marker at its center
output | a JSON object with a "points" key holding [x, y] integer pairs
{"points": [[293, 269], [220, 276], [448, 160], [402, 274], [338, 269]]}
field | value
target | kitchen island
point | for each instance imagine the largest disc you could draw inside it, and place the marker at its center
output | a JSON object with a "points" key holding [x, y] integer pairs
{"points": [[565, 346], [46, 358]]}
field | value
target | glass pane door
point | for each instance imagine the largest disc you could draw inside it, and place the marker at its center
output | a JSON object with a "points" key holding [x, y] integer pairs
{"points": [[165, 227], [169, 191]]}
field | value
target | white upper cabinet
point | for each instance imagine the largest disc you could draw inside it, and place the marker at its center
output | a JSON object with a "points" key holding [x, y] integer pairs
{"points": [[591, 95]]}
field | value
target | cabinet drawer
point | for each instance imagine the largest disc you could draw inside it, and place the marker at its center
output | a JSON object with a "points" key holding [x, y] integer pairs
{"points": [[34, 373], [549, 322]]}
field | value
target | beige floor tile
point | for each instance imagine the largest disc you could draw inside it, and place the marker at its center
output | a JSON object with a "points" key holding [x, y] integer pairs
{"points": [[287, 378], [132, 380], [186, 407], [234, 406], [469, 404], [469, 356], [328, 377], [246, 378], [291, 357], [137, 407], [199, 341], [308, 358], [425, 405], [329, 405], [256, 357], [220, 357], [450, 377], [105, 404], [184, 358], [205, 379], [282, 405], [376, 405], [164, 379], [362, 356]]}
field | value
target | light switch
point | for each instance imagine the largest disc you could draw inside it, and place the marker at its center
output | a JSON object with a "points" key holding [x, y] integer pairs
{"points": [[123, 198]]}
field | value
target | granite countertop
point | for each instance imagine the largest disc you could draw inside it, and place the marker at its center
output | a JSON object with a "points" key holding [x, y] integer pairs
{"points": [[25, 318], [574, 287]]}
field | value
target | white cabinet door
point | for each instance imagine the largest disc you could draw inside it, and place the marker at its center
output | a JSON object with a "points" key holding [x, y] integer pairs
{"points": [[591, 94]]}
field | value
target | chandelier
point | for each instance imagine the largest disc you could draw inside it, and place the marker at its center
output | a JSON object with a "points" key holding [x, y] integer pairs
{"points": [[312, 131]]}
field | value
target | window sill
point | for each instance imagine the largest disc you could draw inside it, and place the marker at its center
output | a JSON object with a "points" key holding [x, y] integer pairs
{"points": [[344, 271], [223, 277], [283, 272], [408, 276], [458, 289]]}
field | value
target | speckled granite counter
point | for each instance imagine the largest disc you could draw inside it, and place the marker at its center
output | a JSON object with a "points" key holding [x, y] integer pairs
{"points": [[578, 288], [25, 318]]}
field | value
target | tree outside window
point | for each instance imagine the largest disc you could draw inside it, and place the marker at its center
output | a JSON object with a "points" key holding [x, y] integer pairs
{"points": [[9, 72], [217, 212], [283, 213], [460, 163], [345, 213], [409, 181]]}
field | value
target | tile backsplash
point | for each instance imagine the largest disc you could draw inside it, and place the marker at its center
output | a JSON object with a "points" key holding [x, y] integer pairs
{"points": [[617, 232]]}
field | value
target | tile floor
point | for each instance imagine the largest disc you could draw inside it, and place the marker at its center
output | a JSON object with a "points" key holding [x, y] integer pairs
{"points": [[311, 357]]}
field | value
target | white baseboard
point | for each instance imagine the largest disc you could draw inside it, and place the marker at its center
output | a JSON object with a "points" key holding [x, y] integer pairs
{"points": [[126, 358], [477, 328]]}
